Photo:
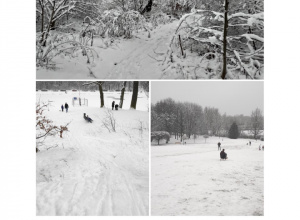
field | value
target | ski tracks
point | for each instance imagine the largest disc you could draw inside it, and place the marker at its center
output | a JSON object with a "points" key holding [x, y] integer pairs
{"points": [[143, 60]]}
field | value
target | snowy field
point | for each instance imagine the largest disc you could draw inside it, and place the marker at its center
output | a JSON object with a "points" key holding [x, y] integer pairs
{"points": [[91, 171], [191, 180], [134, 58]]}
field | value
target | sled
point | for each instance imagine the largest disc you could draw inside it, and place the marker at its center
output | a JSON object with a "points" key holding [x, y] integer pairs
{"points": [[224, 158]]}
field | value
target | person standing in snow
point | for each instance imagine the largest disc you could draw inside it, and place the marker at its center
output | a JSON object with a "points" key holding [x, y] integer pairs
{"points": [[113, 105], [116, 106], [223, 155], [219, 146], [259, 148], [250, 143], [62, 108], [66, 107], [263, 147]]}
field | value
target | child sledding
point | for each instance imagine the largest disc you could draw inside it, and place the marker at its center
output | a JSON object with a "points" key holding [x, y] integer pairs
{"points": [[87, 118], [223, 155]]}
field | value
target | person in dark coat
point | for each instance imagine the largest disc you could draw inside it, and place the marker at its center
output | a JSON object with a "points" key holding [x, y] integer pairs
{"points": [[116, 106], [62, 108], [113, 105], [223, 155], [66, 107], [219, 146]]}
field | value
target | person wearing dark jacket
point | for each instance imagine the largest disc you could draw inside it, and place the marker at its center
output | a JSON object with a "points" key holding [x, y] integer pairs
{"points": [[113, 105], [116, 106], [223, 155], [62, 108], [66, 107], [219, 146]]}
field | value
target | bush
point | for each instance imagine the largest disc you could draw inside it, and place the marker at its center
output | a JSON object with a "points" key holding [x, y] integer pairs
{"points": [[116, 23], [160, 135], [233, 131]]}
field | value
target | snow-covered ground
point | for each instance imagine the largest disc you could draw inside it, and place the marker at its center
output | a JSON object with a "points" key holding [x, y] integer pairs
{"points": [[91, 171], [123, 59], [191, 180]]}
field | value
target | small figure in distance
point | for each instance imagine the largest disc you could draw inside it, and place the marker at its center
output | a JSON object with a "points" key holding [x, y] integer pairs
{"points": [[250, 143], [259, 148], [66, 107], [263, 147], [219, 146], [116, 107], [62, 108], [223, 155], [113, 105]]}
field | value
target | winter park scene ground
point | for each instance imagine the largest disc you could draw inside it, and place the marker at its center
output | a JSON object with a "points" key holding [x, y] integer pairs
{"points": [[188, 176], [92, 167], [150, 39]]}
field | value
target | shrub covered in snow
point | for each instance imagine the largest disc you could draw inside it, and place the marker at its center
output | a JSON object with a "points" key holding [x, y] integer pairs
{"points": [[116, 23], [64, 46], [160, 135]]}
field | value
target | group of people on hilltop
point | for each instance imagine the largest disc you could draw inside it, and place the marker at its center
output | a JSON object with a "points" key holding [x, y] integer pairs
{"points": [[114, 106], [66, 106]]}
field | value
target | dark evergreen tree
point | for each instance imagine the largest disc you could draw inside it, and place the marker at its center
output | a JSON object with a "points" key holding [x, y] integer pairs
{"points": [[233, 131]]}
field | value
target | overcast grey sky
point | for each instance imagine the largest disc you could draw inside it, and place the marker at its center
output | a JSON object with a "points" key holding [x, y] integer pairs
{"points": [[231, 97]]}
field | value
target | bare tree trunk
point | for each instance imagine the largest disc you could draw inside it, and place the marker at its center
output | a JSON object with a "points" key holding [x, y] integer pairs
{"points": [[224, 71], [122, 94], [101, 94], [134, 94]]}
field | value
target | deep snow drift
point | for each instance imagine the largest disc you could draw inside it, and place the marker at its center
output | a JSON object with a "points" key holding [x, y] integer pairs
{"points": [[191, 180], [91, 171]]}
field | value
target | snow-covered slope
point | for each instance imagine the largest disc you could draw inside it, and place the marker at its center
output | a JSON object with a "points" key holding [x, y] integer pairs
{"points": [[191, 180], [91, 171]]}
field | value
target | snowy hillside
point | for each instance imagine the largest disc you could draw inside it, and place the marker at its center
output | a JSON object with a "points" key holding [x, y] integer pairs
{"points": [[191, 180], [91, 171]]}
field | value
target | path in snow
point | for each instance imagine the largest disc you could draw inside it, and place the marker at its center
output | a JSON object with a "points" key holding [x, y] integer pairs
{"points": [[191, 180], [124, 59], [92, 171]]}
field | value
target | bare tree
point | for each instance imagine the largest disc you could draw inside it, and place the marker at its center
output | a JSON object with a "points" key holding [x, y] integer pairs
{"points": [[134, 94], [256, 123], [122, 94], [99, 84]]}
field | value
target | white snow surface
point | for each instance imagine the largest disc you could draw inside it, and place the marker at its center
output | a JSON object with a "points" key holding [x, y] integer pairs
{"points": [[122, 59], [191, 180], [91, 171]]}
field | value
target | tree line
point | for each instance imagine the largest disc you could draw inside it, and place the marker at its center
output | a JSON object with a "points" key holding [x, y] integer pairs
{"points": [[191, 120]]}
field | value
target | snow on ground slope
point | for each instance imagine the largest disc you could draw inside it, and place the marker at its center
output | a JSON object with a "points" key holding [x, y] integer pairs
{"points": [[191, 180], [123, 59], [91, 171]]}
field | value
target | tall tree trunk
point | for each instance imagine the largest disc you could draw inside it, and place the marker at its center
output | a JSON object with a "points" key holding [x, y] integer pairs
{"points": [[224, 72], [101, 95], [134, 94], [122, 94]]}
